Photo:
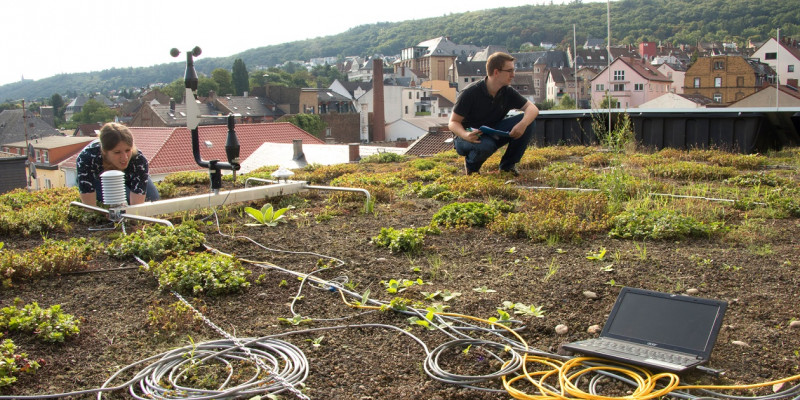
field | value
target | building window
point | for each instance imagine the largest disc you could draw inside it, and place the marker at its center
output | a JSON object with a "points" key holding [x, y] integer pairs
{"points": [[48, 184], [45, 156], [619, 87], [536, 82], [697, 82], [718, 82], [536, 70], [599, 87], [771, 56], [417, 95], [718, 97], [619, 75], [406, 109], [409, 95], [739, 81], [38, 157], [719, 64], [638, 87], [466, 80], [790, 68]]}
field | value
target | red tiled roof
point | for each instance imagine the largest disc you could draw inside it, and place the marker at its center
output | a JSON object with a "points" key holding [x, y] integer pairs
{"points": [[431, 143], [169, 150]]}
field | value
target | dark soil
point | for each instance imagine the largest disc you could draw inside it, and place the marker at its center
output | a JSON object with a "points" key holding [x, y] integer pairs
{"points": [[761, 282]]}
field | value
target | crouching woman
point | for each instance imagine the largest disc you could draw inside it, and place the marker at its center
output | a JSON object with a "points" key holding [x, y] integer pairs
{"points": [[114, 150]]}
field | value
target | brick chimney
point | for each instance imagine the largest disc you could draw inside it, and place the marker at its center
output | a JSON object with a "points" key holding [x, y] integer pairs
{"points": [[379, 118], [354, 152]]}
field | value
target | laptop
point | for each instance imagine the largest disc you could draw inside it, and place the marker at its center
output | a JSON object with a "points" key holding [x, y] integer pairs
{"points": [[661, 331]]}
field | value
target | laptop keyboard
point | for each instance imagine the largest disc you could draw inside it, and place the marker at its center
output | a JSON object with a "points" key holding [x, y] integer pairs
{"points": [[641, 352]]}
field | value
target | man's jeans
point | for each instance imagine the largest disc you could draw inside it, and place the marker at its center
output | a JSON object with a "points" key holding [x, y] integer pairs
{"points": [[475, 154]]}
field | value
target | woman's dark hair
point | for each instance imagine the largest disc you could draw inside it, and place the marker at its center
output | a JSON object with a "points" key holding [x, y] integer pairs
{"points": [[112, 133]]}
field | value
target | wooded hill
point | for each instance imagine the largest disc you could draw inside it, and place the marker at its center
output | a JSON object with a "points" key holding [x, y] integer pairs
{"points": [[632, 21]]}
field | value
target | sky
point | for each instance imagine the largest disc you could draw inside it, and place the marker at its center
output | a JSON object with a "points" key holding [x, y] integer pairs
{"points": [[50, 37]]}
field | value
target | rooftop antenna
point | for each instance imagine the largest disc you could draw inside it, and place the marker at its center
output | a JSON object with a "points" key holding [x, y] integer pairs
{"points": [[193, 116]]}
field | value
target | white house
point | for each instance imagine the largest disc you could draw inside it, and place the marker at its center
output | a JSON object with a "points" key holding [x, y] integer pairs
{"points": [[412, 128], [783, 58]]}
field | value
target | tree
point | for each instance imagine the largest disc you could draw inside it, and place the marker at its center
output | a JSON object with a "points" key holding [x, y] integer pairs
{"points": [[205, 85], [566, 103], [94, 111], [58, 106], [609, 102], [241, 80], [223, 78], [175, 90], [311, 123]]}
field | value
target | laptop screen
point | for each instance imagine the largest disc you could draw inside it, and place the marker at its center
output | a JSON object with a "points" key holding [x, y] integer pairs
{"points": [[675, 322]]}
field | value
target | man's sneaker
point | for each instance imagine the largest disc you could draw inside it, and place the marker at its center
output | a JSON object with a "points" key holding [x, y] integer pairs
{"points": [[513, 170]]}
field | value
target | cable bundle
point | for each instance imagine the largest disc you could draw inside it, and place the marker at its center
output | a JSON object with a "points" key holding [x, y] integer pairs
{"points": [[166, 377]]}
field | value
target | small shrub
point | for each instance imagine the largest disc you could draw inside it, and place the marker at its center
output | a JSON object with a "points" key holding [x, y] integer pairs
{"points": [[188, 178], [212, 274], [13, 363], [693, 171], [597, 160], [384, 157], [738, 161], [428, 191], [49, 325], [758, 179], [173, 319], [39, 212], [555, 215], [156, 242], [423, 164], [52, 257], [326, 173], [456, 215], [407, 240], [659, 224], [166, 190], [562, 174]]}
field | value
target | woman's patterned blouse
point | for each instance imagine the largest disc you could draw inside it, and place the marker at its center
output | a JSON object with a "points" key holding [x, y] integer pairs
{"points": [[90, 166]]}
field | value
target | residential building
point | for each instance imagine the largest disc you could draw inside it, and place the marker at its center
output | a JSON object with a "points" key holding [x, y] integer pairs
{"points": [[413, 128], [675, 100], [416, 101], [630, 81], [783, 57], [588, 57], [536, 64], [787, 96], [558, 83], [726, 79], [48, 153], [585, 76], [677, 73], [249, 109], [434, 57], [155, 115], [441, 88], [76, 105], [524, 85], [16, 126], [468, 72]]}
